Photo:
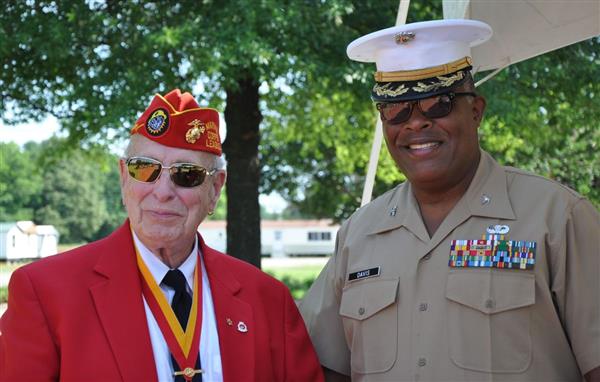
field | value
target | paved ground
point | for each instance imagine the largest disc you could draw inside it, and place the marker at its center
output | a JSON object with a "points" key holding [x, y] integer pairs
{"points": [[266, 262]]}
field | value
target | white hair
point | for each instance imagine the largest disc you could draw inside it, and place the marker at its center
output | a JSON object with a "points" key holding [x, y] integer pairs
{"points": [[220, 162]]}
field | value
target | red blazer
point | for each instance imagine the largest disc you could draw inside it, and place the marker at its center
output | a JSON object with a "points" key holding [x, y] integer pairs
{"points": [[79, 316]]}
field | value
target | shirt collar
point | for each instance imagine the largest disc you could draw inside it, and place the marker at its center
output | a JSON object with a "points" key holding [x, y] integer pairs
{"points": [[158, 269], [486, 196], [488, 193]]}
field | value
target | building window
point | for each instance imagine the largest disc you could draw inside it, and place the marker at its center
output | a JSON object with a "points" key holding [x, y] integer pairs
{"points": [[277, 235], [319, 236], [14, 241]]}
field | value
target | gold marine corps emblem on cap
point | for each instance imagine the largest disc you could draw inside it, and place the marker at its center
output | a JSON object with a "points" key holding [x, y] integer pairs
{"points": [[194, 133], [404, 37]]}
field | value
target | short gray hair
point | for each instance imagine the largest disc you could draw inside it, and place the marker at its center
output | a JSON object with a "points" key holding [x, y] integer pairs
{"points": [[220, 162]]}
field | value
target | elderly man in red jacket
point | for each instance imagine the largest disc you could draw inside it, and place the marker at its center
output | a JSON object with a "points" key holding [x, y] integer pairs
{"points": [[151, 301]]}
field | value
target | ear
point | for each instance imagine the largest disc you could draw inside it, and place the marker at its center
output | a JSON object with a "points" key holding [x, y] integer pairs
{"points": [[122, 171], [478, 109], [123, 175]]}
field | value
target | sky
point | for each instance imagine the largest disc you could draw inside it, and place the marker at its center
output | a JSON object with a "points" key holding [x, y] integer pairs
{"points": [[34, 131], [41, 131]]}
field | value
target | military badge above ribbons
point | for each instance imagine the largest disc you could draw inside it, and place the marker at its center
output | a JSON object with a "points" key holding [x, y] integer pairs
{"points": [[494, 250]]}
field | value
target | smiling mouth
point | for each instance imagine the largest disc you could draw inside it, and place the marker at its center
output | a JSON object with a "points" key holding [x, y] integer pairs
{"points": [[423, 146]]}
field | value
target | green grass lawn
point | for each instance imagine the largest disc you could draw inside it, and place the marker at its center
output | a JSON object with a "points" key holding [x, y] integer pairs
{"points": [[297, 278]]}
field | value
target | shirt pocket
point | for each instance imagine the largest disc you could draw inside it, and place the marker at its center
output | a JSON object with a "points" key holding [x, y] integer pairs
{"points": [[489, 319], [370, 314]]}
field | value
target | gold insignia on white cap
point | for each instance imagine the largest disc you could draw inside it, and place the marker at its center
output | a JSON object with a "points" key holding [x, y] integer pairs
{"points": [[404, 37]]}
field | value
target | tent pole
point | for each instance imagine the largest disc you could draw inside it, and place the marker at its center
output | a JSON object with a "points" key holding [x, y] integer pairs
{"points": [[378, 135], [374, 158], [402, 12], [492, 74]]}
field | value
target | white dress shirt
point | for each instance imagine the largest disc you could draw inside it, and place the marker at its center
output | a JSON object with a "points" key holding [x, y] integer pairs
{"points": [[210, 354]]}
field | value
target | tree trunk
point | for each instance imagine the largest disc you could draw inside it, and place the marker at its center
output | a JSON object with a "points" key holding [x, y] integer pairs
{"points": [[243, 118]]}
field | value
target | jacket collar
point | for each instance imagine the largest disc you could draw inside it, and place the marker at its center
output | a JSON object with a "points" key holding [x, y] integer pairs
{"points": [[120, 307], [232, 315]]}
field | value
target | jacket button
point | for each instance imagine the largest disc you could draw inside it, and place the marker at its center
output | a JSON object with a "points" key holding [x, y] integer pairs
{"points": [[361, 310], [490, 304], [422, 362]]}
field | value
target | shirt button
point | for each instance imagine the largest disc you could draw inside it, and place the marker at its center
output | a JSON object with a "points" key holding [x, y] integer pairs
{"points": [[361, 311], [490, 304], [423, 306], [422, 362]]}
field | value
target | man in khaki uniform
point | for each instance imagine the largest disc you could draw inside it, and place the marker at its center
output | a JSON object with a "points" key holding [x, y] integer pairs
{"points": [[469, 271]]}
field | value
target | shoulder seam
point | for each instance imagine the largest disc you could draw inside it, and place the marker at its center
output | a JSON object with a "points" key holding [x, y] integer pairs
{"points": [[516, 171]]}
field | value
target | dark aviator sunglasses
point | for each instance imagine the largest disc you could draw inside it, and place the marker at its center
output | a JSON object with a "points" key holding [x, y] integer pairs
{"points": [[148, 170], [432, 107]]}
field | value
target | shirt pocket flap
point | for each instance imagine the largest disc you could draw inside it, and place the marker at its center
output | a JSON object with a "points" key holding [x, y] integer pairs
{"points": [[363, 299], [493, 292]]}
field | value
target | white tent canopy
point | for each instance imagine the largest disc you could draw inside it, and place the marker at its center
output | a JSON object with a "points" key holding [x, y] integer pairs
{"points": [[526, 28], [522, 29]]}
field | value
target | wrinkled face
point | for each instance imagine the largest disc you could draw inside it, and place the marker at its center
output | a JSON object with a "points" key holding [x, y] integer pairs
{"points": [[437, 152], [162, 214]]}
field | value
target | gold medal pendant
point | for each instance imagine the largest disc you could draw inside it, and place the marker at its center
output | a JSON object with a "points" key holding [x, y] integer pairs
{"points": [[188, 373], [184, 345]]}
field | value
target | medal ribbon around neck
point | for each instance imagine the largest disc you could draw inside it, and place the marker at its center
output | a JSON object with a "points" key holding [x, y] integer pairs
{"points": [[184, 346]]}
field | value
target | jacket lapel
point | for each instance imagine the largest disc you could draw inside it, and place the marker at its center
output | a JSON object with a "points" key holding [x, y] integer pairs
{"points": [[235, 319], [120, 307]]}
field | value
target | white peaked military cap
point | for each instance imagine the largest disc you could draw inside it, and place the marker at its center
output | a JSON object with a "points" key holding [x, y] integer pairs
{"points": [[421, 59]]}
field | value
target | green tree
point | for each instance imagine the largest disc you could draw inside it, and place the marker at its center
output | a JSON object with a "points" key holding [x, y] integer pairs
{"points": [[20, 183], [115, 211], [543, 116], [73, 197], [94, 64]]}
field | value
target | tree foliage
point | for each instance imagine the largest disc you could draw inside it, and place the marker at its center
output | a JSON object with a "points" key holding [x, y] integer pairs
{"points": [[75, 190], [543, 116], [20, 184]]}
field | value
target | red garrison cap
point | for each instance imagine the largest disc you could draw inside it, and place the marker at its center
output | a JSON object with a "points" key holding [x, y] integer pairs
{"points": [[176, 120]]}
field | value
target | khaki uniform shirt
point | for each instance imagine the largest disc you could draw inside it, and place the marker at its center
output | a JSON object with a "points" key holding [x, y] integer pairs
{"points": [[388, 307]]}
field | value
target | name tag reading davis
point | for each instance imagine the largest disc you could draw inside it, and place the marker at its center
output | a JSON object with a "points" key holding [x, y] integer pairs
{"points": [[371, 272]]}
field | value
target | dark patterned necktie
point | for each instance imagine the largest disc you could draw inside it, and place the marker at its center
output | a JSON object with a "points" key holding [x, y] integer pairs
{"points": [[181, 305]]}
